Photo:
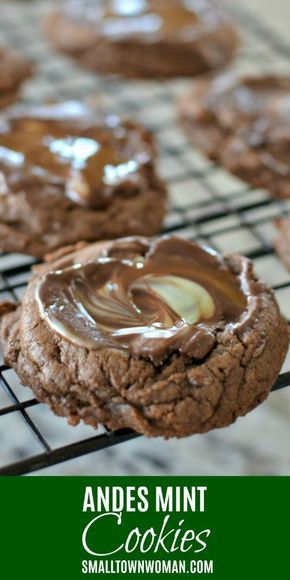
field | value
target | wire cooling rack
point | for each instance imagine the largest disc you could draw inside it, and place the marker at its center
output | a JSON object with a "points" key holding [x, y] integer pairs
{"points": [[207, 204]]}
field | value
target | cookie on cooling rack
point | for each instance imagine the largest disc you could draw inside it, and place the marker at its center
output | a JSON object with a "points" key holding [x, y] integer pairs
{"points": [[67, 175], [14, 70], [165, 337], [282, 242], [144, 38], [243, 123]]}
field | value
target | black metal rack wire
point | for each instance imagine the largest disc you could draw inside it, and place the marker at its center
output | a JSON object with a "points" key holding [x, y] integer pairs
{"points": [[211, 216]]}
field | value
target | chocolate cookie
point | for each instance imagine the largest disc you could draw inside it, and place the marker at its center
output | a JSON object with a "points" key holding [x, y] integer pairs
{"points": [[282, 242], [243, 123], [165, 337], [13, 71], [67, 175], [144, 38]]}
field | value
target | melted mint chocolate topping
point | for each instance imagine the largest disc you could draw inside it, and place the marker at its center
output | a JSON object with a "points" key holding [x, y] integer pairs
{"points": [[151, 300], [67, 144]]}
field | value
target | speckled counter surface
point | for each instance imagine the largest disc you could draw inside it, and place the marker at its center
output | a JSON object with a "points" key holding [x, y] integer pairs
{"points": [[259, 443]]}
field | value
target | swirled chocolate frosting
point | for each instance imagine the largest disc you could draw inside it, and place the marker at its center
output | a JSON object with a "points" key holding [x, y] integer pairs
{"points": [[69, 145], [150, 299]]}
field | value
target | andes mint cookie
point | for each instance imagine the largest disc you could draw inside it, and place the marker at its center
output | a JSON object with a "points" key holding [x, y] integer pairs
{"points": [[144, 38], [14, 70], [165, 337], [243, 123], [67, 175]]}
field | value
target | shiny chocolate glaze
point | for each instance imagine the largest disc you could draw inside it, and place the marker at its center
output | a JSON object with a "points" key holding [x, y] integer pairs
{"points": [[150, 19], [66, 143], [150, 299]]}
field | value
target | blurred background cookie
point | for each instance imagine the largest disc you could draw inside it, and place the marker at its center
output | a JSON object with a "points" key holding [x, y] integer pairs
{"points": [[68, 175], [243, 122], [14, 70], [144, 38], [282, 242]]}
